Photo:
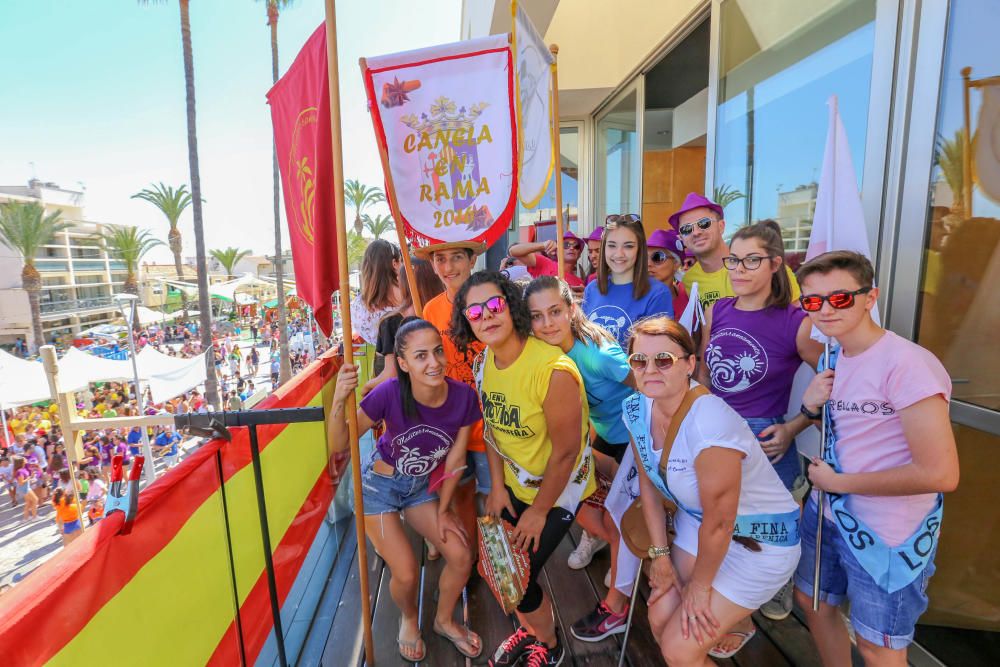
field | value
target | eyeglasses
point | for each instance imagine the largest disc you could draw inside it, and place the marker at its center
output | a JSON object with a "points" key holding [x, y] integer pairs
{"points": [[840, 300], [751, 263], [659, 256], [475, 311], [688, 227], [570, 245], [663, 361], [614, 220]]}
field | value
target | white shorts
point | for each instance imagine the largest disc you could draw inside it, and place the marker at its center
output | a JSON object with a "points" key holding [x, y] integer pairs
{"points": [[747, 578]]}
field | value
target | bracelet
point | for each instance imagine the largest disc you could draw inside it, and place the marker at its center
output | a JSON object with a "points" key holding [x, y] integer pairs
{"points": [[810, 414]]}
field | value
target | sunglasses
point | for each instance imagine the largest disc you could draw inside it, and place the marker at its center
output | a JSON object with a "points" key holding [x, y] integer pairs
{"points": [[614, 220], [659, 256], [840, 300], [570, 245], [475, 311], [663, 361], [688, 227], [751, 263]]}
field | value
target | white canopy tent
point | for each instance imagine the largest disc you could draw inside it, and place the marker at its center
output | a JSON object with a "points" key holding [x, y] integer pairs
{"points": [[21, 381]]}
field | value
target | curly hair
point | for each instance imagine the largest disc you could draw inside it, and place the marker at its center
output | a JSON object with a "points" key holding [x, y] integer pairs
{"points": [[461, 331]]}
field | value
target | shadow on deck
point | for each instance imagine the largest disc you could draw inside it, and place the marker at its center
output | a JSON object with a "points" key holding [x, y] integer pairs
{"points": [[335, 635]]}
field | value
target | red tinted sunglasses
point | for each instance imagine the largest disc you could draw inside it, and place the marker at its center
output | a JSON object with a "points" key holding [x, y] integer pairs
{"points": [[840, 300], [496, 305]]}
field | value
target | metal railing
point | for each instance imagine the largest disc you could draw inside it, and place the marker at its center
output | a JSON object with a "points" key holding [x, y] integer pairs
{"points": [[69, 305]]}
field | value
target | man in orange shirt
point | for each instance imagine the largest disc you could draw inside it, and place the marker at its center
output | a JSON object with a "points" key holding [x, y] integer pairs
{"points": [[453, 264]]}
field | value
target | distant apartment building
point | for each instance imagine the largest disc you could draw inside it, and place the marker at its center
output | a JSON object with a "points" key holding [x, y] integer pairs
{"points": [[796, 209], [78, 276]]}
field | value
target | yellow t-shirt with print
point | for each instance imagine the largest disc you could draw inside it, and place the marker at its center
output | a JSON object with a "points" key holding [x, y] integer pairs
{"points": [[714, 286], [512, 408]]}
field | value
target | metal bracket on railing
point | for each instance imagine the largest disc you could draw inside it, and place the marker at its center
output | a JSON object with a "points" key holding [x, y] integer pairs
{"points": [[125, 501], [203, 428]]}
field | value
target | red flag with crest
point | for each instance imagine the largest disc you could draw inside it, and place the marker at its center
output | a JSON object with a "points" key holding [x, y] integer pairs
{"points": [[300, 113]]}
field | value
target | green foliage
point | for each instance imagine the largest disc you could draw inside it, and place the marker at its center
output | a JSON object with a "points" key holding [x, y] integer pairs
{"points": [[359, 196], [127, 243], [723, 195], [24, 227], [379, 225], [356, 246], [228, 257], [170, 201], [949, 154]]}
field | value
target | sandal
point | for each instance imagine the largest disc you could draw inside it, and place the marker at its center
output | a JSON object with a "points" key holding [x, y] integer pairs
{"points": [[745, 638], [468, 637], [416, 647]]}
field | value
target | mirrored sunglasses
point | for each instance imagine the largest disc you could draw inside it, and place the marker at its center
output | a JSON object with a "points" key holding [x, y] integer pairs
{"points": [[688, 227], [840, 299], [495, 304], [663, 361]]}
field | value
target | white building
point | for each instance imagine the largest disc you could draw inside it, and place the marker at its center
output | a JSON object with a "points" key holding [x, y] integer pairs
{"points": [[78, 277]]}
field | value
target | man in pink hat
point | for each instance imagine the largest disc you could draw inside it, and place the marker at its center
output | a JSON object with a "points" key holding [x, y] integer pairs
{"points": [[701, 224], [539, 257]]}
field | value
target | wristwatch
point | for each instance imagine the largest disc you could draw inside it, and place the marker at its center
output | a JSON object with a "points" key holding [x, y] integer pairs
{"points": [[656, 552], [809, 414]]}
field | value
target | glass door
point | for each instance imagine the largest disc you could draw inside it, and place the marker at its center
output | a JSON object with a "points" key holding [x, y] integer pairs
{"points": [[619, 154]]}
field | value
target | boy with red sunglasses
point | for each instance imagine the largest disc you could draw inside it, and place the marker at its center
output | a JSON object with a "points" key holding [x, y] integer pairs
{"points": [[888, 457]]}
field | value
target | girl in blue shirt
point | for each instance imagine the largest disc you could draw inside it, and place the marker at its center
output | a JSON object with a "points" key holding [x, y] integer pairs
{"points": [[623, 292], [558, 321]]}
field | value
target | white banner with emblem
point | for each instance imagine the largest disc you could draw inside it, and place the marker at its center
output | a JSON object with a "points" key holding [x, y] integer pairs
{"points": [[445, 118]]}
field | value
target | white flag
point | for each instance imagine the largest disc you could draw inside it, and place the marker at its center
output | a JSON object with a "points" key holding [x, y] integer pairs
{"points": [[694, 315], [533, 76], [986, 145], [623, 492]]}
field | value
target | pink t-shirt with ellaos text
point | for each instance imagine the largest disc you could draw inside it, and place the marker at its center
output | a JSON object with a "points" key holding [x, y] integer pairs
{"points": [[869, 390]]}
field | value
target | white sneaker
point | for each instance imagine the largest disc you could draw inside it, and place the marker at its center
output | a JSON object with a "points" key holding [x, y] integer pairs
{"points": [[779, 607], [584, 552]]}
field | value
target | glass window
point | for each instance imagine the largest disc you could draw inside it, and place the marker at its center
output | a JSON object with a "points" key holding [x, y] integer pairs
{"points": [[779, 63], [569, 148], [618, 155], [960, 300]]}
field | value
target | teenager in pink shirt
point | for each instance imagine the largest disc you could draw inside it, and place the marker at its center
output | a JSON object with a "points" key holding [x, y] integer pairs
{"points": [[889, 456]]}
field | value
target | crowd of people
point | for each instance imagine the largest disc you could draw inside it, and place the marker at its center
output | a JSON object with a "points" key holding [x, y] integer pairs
{"points": [[542, 400]]}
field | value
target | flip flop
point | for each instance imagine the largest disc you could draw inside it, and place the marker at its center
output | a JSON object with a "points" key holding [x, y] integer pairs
{"points": [[466, 638], [746, 637], [412, 646]]}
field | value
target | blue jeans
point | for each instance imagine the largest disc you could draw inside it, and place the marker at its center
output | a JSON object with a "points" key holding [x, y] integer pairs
{"points": [[884, 619], [382, 494], [788, 466], [478, 466]]}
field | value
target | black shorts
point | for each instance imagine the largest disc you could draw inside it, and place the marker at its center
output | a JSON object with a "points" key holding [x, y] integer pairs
{"points": [[557, 524], [609, 449]]}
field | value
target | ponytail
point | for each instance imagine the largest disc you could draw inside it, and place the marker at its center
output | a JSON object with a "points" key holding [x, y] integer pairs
{"points": [[768, 232]]}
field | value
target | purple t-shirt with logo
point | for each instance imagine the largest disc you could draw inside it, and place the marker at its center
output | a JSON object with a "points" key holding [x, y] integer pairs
{"points": [[752, 357], [416, 446]]}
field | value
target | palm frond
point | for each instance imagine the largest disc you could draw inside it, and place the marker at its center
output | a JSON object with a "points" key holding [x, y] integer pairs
{"points": [[169, 200], [228, 257], [129, 244], [24, 227]]}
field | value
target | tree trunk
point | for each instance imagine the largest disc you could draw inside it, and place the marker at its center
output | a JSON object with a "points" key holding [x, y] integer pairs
{"points": [[205, 316], [174, 241], [285, 374], [32, 284]]}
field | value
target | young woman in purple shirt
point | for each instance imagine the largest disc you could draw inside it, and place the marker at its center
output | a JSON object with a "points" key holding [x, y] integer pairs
{"points": [[751, 348], [427, 418]]}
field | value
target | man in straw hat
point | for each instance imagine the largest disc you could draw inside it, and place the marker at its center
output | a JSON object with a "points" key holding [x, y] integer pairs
{"points": [[453, 263]]}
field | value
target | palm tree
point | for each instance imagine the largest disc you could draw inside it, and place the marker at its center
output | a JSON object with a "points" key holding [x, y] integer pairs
{"points": [[205, 316], [228, 258], [356, 246], [949, 155], [171, 203], [379, 225], [360, 196], [128, 244], [724, 195], [274, 8], [24, 227]]}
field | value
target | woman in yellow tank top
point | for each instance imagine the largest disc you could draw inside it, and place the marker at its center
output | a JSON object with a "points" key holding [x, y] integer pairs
{"points": [[535, 415]]}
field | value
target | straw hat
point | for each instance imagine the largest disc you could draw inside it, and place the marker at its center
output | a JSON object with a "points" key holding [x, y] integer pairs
{"points": [[476, 247]]}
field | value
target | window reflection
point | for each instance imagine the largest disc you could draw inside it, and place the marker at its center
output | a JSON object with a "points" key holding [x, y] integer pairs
{"points": [[779, 64], [569, 148], [960, 301], [618, 159]]}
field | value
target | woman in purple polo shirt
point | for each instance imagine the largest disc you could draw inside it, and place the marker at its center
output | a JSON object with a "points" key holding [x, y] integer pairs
{"points": [[427, 419], [752, 346]]}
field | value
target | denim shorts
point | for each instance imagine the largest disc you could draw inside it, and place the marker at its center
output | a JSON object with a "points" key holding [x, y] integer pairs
{"points": [[479, 466], [884, 619], [382, 494], [788, 466]]}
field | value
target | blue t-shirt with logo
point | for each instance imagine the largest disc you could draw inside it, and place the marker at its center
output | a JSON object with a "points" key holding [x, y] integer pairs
{"points": [[617, 311], [604, 367]]}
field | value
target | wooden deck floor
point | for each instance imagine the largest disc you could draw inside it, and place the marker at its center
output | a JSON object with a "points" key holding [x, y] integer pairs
{"points": [[335, 638]]}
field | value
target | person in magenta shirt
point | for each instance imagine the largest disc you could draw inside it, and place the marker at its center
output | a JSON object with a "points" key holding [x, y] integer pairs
{"points": [[889, 456], [665, 250], [540, 258]]}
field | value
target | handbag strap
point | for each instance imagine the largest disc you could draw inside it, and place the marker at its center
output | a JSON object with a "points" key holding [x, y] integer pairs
{"points": [[693, 394]]}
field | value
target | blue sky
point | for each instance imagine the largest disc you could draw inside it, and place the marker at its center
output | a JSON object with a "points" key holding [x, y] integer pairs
{"points": [[93, 93]]}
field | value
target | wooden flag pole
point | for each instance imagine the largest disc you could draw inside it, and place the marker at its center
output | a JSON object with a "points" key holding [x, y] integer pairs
{"points": [[345, 315], [561, 260], [66, 414], [411, 278]]}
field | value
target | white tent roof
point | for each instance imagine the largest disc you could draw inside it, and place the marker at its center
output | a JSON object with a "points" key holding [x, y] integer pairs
{"points": [[21, 381]]}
